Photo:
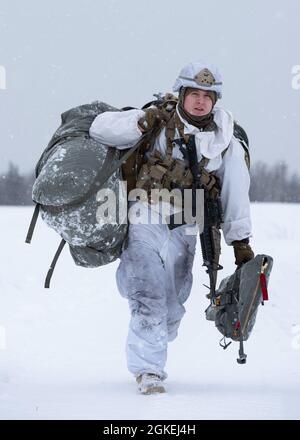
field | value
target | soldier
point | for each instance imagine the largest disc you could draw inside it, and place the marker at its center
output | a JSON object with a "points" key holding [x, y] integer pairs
{"points": [[155, 272]]}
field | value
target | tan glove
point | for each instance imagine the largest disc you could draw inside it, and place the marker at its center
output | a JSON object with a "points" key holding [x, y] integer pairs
{"points": [[242, 252], [153, 116]]}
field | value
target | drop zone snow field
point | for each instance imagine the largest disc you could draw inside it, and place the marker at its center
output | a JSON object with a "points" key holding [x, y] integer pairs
{"points": [[62, 350]]}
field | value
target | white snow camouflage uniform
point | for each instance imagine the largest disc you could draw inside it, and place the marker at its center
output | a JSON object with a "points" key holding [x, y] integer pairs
{"points": [[155, 272]]}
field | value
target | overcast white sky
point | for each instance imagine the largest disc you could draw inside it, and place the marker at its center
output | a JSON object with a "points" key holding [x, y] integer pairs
{"points": [[64, 53]]}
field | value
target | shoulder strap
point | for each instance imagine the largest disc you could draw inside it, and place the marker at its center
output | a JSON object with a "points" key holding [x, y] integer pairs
{"points": [[240, 134], [32, 223], [54, 261], [170, 134]]}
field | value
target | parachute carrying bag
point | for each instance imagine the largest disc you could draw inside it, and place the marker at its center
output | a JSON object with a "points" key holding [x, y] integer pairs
{"points": [[69, 174], [237, 299]]}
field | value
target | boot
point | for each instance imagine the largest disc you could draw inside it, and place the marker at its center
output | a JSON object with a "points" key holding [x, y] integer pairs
{"points": [[149, 383]]}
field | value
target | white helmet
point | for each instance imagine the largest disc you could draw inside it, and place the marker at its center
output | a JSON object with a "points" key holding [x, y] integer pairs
{"points": [[200, 75]]}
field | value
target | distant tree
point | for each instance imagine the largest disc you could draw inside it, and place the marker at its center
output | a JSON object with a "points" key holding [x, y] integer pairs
{"points": [[2, 189], [294, 189], [15, 189], [279, 182], [258, 173], [28, 183], [273, 184]]}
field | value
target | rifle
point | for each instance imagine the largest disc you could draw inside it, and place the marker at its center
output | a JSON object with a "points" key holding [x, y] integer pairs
{"points": [[210, 236]]}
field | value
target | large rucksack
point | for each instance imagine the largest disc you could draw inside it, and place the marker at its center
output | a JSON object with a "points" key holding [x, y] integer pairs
{"points": [[69, 173]]}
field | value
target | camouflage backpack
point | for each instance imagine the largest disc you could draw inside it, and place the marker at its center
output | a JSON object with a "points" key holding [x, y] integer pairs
{"points": [[237, 299], [69, 173]]}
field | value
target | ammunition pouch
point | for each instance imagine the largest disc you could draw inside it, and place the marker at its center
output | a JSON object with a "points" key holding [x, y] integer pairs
{"points": [[161, 172]]}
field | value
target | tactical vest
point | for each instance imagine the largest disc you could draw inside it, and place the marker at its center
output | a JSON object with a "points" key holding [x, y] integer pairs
{"points": [[156, 171]]}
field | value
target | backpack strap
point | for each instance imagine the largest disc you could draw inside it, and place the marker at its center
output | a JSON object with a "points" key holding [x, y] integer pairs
{"points": [[240, 134], [170, 134], [32, 223], [99, 182], [52, 265]]}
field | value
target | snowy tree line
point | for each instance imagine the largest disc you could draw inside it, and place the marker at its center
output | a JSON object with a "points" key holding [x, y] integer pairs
{"points": [[15, 188], [274, 183], [268, 184]]}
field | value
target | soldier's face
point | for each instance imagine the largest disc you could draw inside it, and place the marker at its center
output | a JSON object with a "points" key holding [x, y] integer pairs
{"points": [[198, 102]]}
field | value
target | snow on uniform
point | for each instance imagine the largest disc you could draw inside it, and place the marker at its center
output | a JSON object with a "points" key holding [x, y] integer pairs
{"points": [[155, 272]]}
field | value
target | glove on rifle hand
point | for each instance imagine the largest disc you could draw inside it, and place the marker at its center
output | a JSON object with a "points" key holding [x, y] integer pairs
{"points": [[153, 117], [242, 251]]}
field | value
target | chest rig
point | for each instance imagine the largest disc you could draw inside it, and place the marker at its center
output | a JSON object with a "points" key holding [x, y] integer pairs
{"points": [[165, 172]]}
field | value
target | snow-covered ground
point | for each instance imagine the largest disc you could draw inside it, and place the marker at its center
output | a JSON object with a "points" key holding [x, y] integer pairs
{"points": [[62, 350]]}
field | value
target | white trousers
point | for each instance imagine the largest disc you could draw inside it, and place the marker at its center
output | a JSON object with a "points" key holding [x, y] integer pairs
{"points": [[155, 274]]}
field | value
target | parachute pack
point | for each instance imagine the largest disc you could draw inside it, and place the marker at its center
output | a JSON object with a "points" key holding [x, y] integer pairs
{"points": [[237, 300], [69, 173]]}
